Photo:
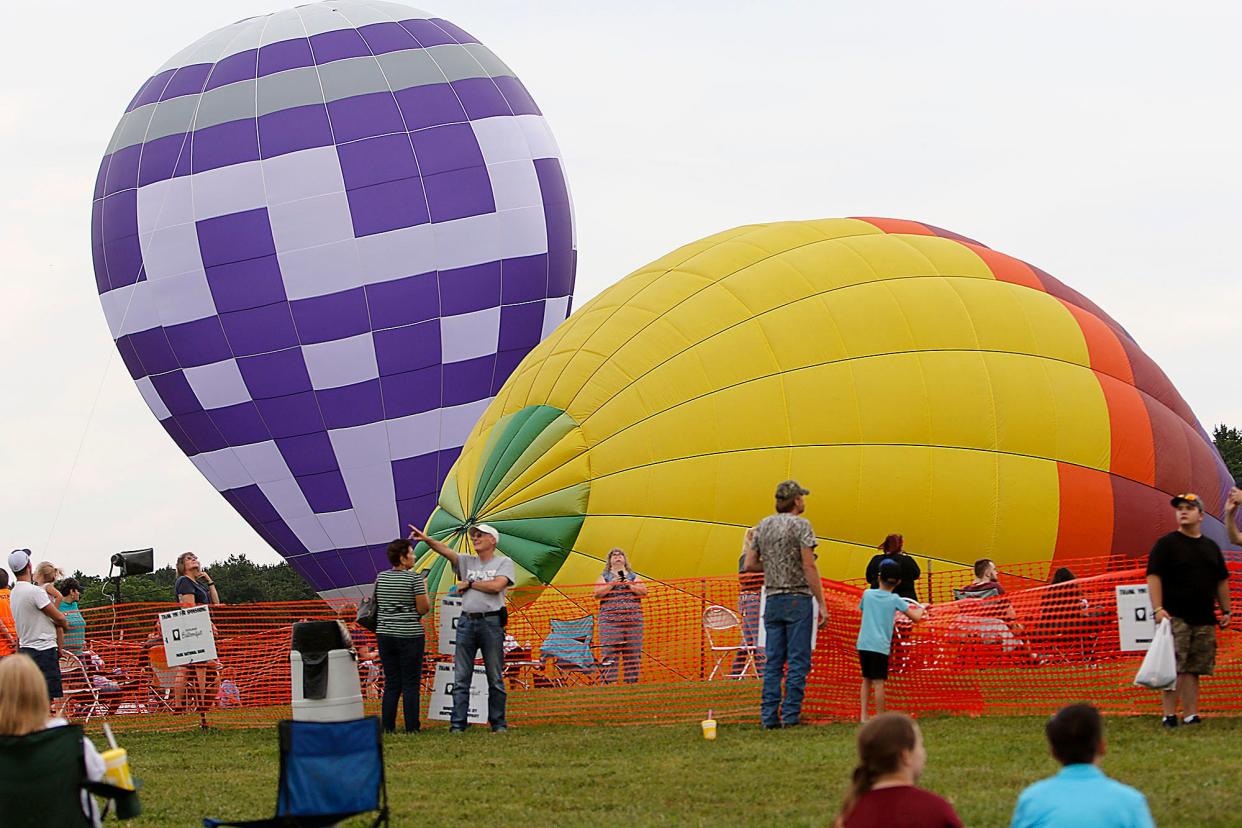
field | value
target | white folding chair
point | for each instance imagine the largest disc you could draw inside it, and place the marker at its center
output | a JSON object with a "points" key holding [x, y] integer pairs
{"points": [[81, 695], [718, 619]]}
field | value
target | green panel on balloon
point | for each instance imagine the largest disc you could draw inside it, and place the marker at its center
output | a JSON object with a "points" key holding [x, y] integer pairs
{"points": [[537, 533]]}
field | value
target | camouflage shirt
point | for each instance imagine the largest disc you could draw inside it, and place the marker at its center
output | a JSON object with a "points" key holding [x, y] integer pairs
{"points": [[780, 539]]}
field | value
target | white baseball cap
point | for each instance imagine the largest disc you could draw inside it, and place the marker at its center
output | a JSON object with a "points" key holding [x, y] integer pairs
{"points": [[19, 559], [487, 529]]}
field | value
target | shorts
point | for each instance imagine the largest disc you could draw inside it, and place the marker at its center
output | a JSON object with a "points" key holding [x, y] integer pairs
{"points": [[49, 665], [874, 665], [1195, 645]]}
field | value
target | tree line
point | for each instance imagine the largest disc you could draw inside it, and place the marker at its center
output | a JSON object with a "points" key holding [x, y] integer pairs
{"points": [[238, 580], [1229, 443]]}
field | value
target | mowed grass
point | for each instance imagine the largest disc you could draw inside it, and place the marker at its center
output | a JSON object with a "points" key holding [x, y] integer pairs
{"points": [[669, 775]]}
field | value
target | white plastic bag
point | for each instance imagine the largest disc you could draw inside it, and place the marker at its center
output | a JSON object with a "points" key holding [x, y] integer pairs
{"points": [[1159, 668]]}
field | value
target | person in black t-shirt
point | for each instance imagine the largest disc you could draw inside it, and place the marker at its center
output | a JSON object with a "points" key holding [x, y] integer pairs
{"points": [[894, 547], [1186, 577]]}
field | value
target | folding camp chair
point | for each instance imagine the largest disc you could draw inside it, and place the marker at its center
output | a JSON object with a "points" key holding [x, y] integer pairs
{"points": [[43, 775], [81, 695], [718, 619], [161, 680], [329, 771], [568, 648]]}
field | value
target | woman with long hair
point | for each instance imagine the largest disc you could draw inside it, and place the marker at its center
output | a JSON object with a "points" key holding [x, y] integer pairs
{"points": [[23, 710], [883, 792], [894, 548], [620, 592]]}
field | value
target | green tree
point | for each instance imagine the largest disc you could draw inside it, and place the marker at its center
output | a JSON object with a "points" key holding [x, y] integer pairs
{"points": [[238, 580], [1229, 443]]}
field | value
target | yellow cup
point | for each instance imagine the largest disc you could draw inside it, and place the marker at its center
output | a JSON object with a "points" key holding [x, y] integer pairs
{"points": [[709, 729], [116, 768]]}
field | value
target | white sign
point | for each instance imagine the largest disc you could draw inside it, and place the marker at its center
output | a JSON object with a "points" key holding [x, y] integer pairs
{"points": [[188, 637], [762, 641], [1135, 621], [450, 613], [441, 707]]}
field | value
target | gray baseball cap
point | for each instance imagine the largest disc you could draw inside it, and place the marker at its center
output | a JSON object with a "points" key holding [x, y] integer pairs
{"points": [[789, 489]]}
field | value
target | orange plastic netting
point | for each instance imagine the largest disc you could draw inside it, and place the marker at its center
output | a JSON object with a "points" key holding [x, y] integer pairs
{"points": [[1025, 652]]}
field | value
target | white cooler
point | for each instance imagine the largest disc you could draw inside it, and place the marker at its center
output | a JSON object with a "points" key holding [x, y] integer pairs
{"points": [[343, 700]]}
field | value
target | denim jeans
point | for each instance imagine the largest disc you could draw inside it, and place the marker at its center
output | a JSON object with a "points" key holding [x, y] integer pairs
{"points": [[748, 608], [402, 660], [473, 635], [788, 624], [624, 657]]}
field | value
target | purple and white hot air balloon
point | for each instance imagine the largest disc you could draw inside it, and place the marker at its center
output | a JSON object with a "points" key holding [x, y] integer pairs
{"points": [[323, 239]]}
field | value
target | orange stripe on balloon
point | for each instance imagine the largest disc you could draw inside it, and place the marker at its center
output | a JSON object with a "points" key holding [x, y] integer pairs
{"points": [[1132, 443], [1106, 351], [890, 225], [1085, 527], [1007, 268]]}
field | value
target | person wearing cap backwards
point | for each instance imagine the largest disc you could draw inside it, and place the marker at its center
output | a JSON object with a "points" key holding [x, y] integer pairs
{"points": [[1186, 576], [483, 579], [37, 620], [783, 547]]}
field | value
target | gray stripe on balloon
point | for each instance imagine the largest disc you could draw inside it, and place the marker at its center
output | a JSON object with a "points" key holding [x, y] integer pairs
{"points": [[348, 78]]}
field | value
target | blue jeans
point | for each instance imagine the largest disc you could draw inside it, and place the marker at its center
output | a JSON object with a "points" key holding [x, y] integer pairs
{"points": [[788, 624], [473, 635], [402, 659], [748, 608]]}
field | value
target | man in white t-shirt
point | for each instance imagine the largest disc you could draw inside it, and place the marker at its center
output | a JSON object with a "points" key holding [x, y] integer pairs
{"points": [[482, 581], [36, 619]]}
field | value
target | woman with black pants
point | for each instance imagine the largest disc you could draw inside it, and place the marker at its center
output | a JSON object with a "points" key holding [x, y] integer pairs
{"points": [[401, 600]]}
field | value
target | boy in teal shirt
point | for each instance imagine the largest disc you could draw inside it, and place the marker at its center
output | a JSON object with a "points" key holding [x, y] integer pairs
{"points": [[875, 633], [1080, 796]]}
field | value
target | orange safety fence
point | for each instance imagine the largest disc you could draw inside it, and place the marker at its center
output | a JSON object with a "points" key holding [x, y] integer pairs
{"points": [[1022, 653], [940, 578]]}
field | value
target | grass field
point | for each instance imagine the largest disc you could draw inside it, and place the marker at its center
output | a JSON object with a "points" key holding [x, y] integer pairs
{"points": [[668, 775]]}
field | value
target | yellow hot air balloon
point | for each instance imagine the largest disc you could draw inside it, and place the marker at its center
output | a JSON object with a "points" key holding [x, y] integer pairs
{"points": [[914, 380]]}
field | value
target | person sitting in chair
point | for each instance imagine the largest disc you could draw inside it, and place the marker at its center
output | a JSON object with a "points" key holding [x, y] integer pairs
{"points": [[985, 584], [23, 710]]}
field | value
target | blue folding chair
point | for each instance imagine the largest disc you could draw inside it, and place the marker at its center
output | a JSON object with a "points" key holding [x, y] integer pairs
{"points": [[329, 771], [568, 646]]}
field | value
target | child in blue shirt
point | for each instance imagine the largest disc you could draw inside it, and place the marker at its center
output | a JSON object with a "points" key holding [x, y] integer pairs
{"points": [[875, 633]]}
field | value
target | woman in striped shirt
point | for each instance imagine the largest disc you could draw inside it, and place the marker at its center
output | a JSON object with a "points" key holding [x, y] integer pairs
{"points": [[401, 599]]}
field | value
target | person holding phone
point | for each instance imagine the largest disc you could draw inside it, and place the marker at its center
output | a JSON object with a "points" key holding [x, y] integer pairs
{"points": [[194, 587], [620, 592]]}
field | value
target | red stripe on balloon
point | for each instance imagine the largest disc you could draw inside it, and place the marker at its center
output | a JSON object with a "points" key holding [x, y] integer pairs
{"points": [[1140, 515]]}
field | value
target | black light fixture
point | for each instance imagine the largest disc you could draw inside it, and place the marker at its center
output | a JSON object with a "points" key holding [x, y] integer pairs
{"points": [[134, 562]]}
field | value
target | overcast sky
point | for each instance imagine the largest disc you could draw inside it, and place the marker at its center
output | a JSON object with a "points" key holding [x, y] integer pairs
{"points": [[1098, 141]]}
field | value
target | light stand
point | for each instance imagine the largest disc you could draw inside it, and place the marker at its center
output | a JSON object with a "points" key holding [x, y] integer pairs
{"points": [[134, 562]]}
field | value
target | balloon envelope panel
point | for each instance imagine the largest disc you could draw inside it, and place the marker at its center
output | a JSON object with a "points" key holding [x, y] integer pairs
{"points": [[323, 238], [915, 380]]}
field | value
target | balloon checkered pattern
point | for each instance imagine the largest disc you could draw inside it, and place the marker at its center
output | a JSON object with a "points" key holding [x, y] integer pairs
{"points": [[323, 238]]}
